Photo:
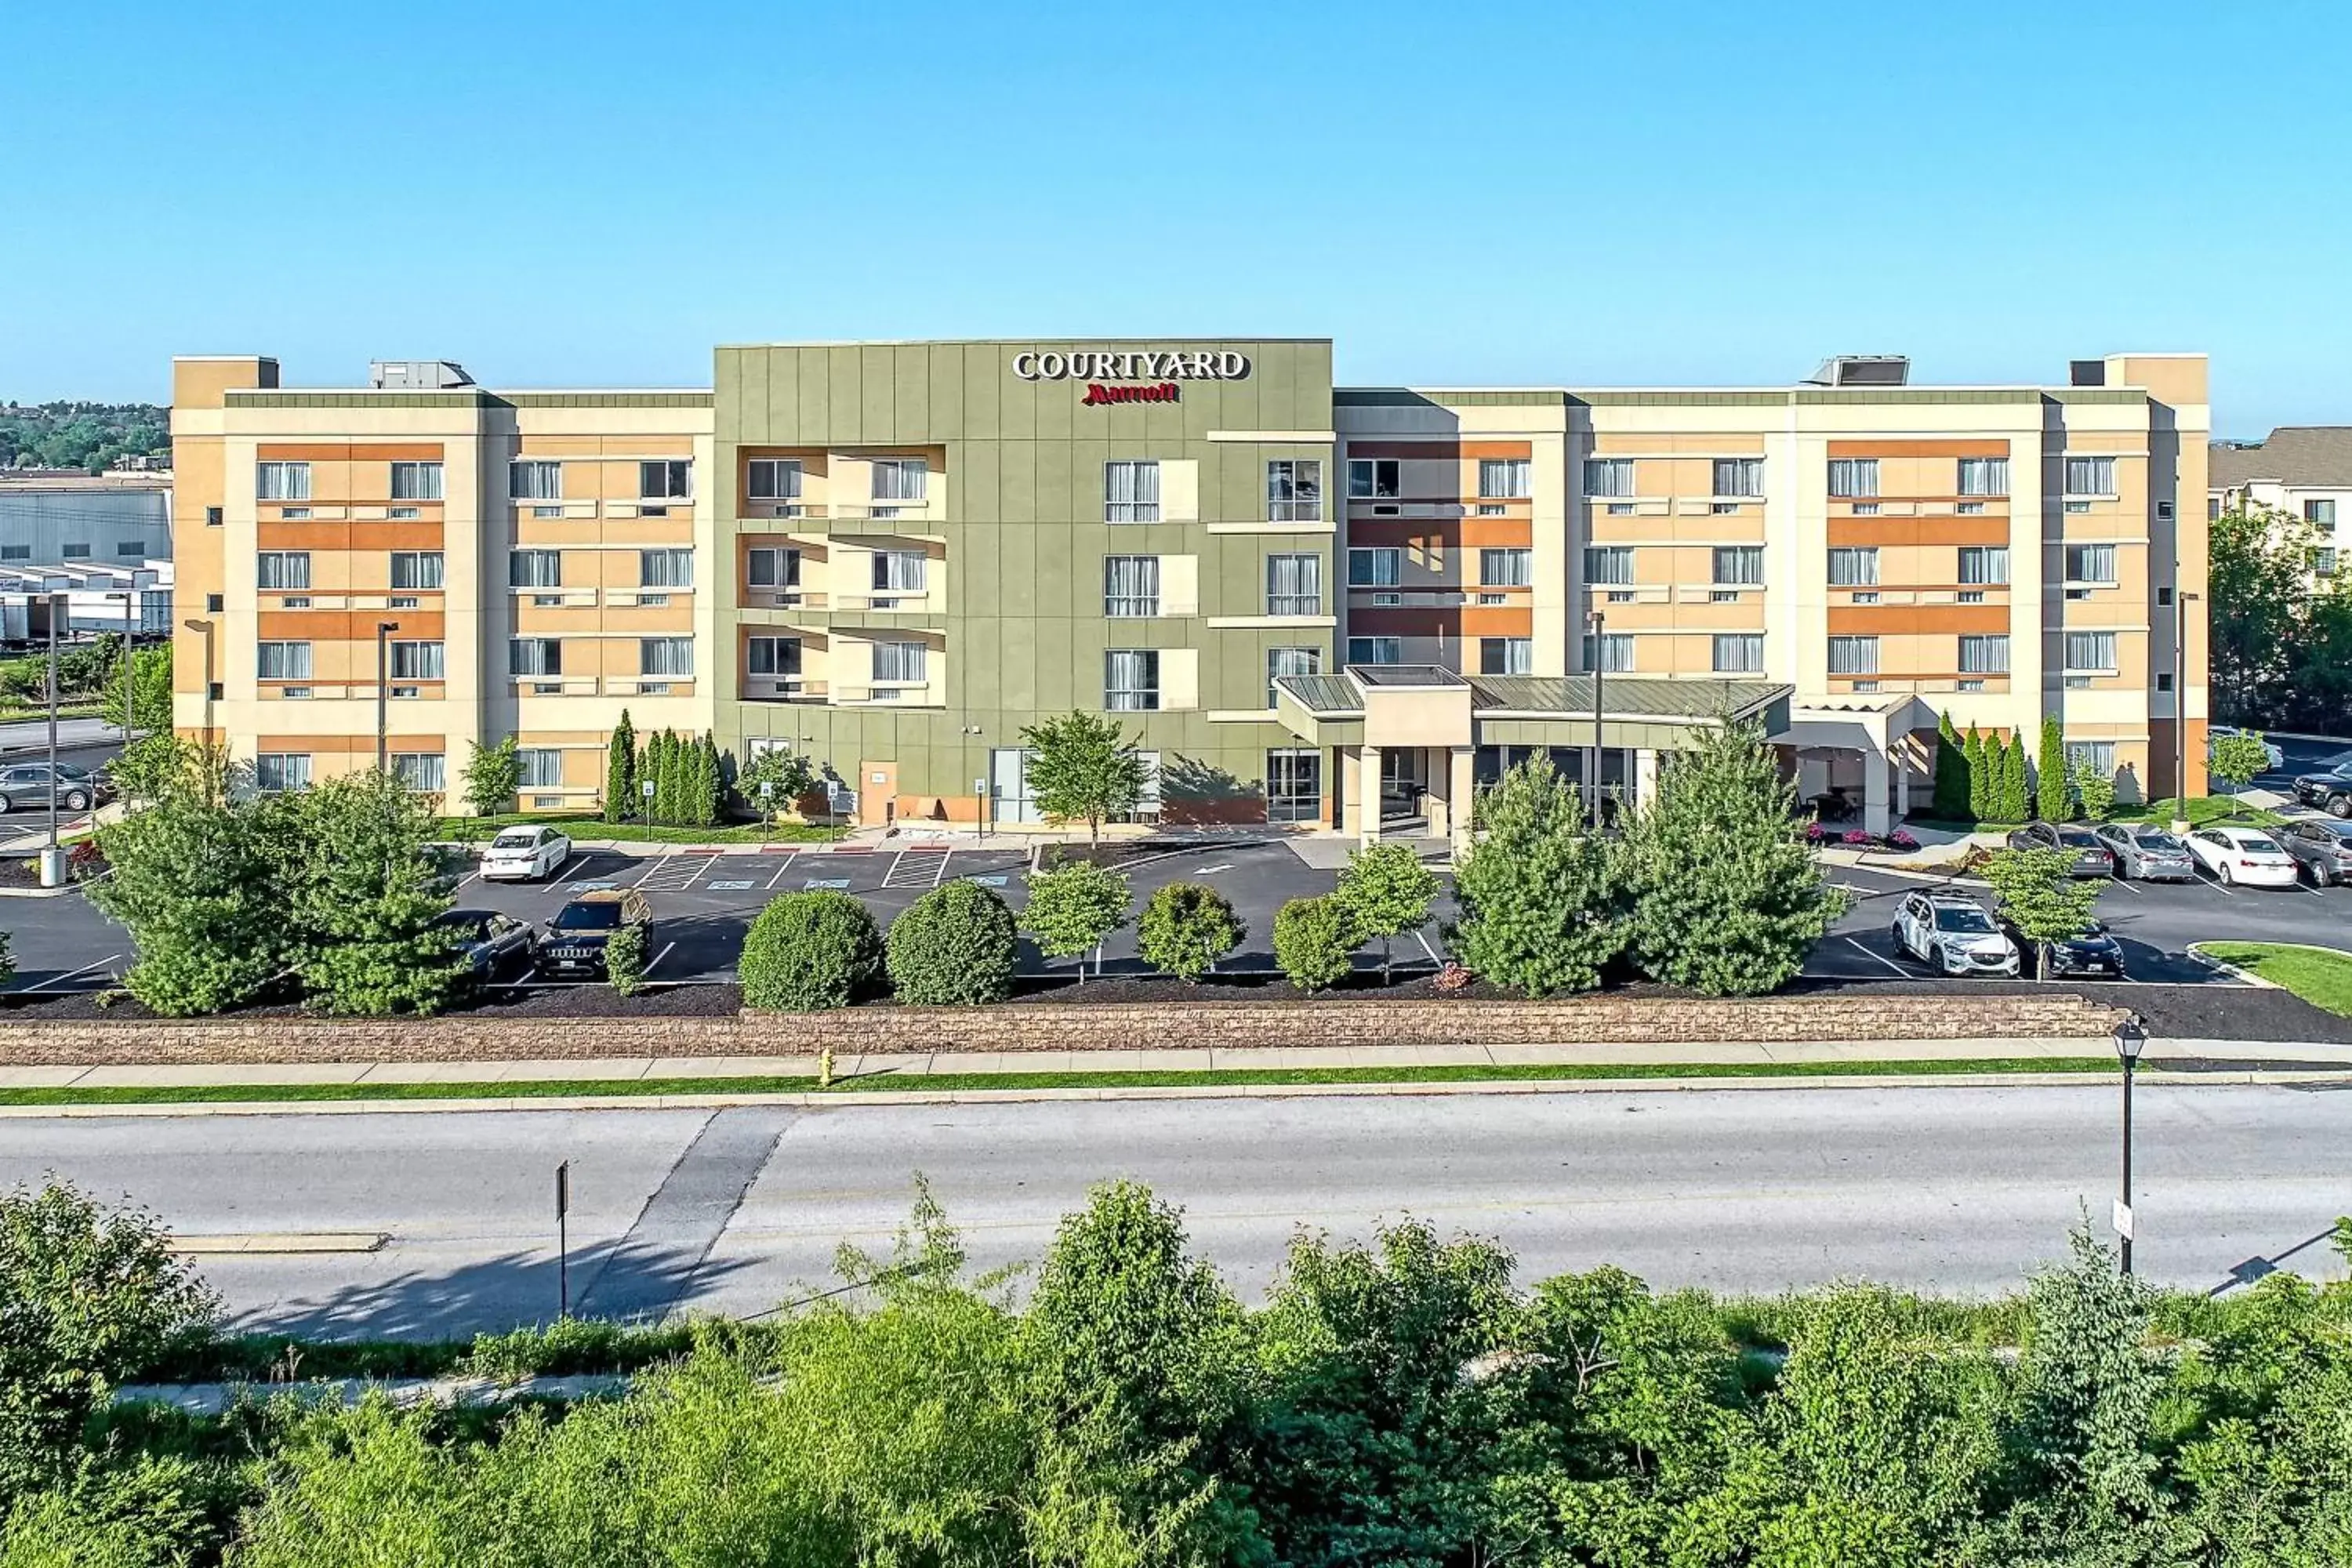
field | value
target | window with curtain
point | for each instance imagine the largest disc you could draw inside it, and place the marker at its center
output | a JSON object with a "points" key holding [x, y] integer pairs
{"points": [[1739, 477], [1739, 565], [1609, 476], [1504, 478], [1984, 563], [535, 568], [2089, 476], [772, 478], [1611, 654], [535, 656], [1984, 477], [900, 571], [1507, 568], [772, 568], [1609, 565], [542, 767], [1282, 661], [283, 571], [1854, 567], [1372, 478], [1131, 679], [904, 661], [2090, 564], [534, 478], [1131, 586], [1293, 490], [416, 661], [425, 773], [2091, 650], [1375, 650], [1506, 656], [665, 568], [413, 569], [1853, 656], [1374, 567], [778, 657], [2099, 757], [665, 656], [282, 662], [1986, 654], [417, 481], [276, 773], [665, 480], [281, 481], [1854, 476], [2322, 563], [1294, 584], [2319, 513], [1130, 491], [1738, 653], [901, 478]]}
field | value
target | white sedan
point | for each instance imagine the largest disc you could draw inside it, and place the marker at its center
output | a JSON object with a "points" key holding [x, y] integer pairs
{"points": [[2242, 855], [525, 855]]}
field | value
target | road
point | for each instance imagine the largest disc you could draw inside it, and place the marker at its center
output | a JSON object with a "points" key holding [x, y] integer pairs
{"points": [[1944, 1189]]}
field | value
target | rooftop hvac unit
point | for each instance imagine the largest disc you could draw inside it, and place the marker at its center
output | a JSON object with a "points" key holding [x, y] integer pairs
{"points": [[1862, 370], [416, 375]]}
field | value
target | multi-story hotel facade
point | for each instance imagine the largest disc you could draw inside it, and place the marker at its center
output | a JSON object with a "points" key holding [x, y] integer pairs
{"points": [[1315, 606]]}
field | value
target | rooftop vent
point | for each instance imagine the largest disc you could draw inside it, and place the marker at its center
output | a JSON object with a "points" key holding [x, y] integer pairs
{"points": [[2086, 372], [413, 375], [1862, 370]]}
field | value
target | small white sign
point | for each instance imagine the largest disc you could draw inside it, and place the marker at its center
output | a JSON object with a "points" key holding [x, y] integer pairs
{"points": [[647, 789], [877, 778], [2123, 1219]]}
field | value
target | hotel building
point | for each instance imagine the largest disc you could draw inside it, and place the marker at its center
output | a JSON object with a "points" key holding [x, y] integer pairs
{"points": [[1338, 606]]}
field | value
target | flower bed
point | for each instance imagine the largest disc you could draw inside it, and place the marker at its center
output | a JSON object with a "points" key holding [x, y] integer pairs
{"points": [[1900, 841]]}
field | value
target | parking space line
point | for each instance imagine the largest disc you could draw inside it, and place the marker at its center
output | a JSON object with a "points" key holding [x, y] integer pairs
{"points": [[653, 864], [667, 948], [1422, 939], [70, 973], [1855, 943], [579, 864], [940, 869], [2215, 883], [2124, 883], [787, 866]]}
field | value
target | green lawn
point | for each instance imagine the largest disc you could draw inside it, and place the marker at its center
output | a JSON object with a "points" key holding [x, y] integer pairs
{"points": [[587, 825], [2202, 810], [2320, 977]]}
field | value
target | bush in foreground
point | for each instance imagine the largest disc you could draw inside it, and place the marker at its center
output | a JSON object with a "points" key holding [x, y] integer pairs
{"points": [[809, 952], [1315, 941], [1186, 928], [953, 947]]}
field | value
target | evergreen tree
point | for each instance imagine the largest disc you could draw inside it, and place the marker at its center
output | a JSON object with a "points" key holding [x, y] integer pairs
{"points": [[658, 766], [1543, 905], [1979, 757], [621, 772], [2051, 784], [2016, 803], [364, 893], [1951, 774], [709, 783]]}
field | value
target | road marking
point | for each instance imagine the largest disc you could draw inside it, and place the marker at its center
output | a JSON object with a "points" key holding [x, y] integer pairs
{"points": [[70, 973], [283, 1241], [942, 869], [667, 948], [1424, 939], [825, 884], [1882, 958], [653, 864], [1213, 871], [2124, 883], [790, 856], [579, 864], [727, 887]]}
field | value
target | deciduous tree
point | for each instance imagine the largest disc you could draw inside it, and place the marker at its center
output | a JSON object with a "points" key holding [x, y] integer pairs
{"points": [[1083, 768], [1386, 891], [2043, 896], [774, 781], [1074, 908], [365, 894], [493, 777]]}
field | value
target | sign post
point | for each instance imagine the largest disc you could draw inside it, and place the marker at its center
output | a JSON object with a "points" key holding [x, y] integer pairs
{"points": [[645, 788], [564, 1240]]}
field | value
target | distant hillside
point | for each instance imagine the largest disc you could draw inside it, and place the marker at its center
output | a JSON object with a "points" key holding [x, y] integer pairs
{"points": [[80, 435]]}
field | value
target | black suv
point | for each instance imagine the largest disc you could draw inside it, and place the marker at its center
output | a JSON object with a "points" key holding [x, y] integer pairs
{"points": [[2329, 787], [573, 947]]}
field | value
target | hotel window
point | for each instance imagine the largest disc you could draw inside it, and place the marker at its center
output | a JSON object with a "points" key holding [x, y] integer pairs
{"points": [[2092, 651], [1293, 490], [1608, 477], [1853, 656], [1371, 478], [1739, 565], [424, 773], [2098, 756], [774, 657], [412, 569], [535, 656], [1504, 478], [283, 571], [1375, 650], [901, 479], [1375, 567], [1294, 785], [665, 568], [671, 480], [1132, 679], [2089, 476], [283, 481], [2319, 513], [1738, 653], [901, 661], [416, 661], [531, 479], [900, 572], [16, 553], [1985, 655], [125, 549], [1854, 476], [282, 662], [1609, 565], [2322, 563], [2090, 564], [1613, 655], [1742, 478], [417, 481], [212, 517], [1507, 568], [1854, 567], [772, 568], [2212, 508], [1983, 563], [535, 568], [1506, 656], [1131, 586], [773, 478], [1132, 492], [1294, 584], [665, 656], [1282, 661], [1984, 477], [277, 773], [542, 767]]}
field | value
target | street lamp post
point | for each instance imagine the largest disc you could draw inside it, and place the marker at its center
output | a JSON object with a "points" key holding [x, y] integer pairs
{"points": [[2179, 701], [130, 597], [383, 629], [51, 861], [1598, 622], [2130, 1038]]}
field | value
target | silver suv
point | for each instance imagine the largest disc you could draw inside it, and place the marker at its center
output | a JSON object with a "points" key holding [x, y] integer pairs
{"points": [[1953, 934]]}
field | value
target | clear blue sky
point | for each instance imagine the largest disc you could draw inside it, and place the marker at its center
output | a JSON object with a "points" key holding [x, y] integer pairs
{"points": [[1599, 194]]}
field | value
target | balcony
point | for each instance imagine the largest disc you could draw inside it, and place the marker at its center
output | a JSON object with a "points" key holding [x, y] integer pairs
{"points": [[782, 688]]}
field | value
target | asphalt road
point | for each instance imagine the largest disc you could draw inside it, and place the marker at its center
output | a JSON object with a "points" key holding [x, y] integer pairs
{"points": [[1943, 1189]]}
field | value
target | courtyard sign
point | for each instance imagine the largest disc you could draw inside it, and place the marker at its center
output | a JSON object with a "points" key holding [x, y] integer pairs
{"points": [[1206, 364]]}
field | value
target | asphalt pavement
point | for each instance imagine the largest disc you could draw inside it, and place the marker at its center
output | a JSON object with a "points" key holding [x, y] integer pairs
{"points": [[1945, 1189]]}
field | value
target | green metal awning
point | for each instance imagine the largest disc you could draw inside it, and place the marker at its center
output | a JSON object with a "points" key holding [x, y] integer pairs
{"points": [[1646, 712]]}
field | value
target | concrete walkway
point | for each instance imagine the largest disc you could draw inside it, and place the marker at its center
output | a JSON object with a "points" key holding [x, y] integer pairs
{"points": [[213, 1398]]}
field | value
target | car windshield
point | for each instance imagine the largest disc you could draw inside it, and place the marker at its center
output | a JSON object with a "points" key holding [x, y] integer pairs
{"points": [[2255, 844], [2078, 839], [2164, 842], [589, 916], [522, 840], [1964, 918], [465, 925]]}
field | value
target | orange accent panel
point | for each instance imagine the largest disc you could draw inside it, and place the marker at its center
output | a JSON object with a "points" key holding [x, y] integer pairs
{"points": [[1976, 448], [354, 536], [1898, 531], [349, 452], [1916, 620], [1468, 621], [347, 626], [349, 745], [1497, 621]]}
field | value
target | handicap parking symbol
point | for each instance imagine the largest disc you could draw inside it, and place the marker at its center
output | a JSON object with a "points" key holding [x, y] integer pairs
{"points": [[824, 885]]}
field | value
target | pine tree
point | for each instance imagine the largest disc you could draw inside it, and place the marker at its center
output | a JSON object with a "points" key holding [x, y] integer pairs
{"points": [[2050, 783], [2016, 803], [665, 772], [1980, 760], [709, 783], [1951, 774], [1543, 905], [621, 772]]}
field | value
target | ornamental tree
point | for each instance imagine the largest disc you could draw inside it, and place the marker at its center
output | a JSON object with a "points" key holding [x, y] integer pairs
{"points": [[1726, 899], [2236, 759], [1075, 907], [493, 777], [1083, 768], [365, 892], [1386, 891], [774, 781], [1186, 928], [1543, 902], [2042, 898]]}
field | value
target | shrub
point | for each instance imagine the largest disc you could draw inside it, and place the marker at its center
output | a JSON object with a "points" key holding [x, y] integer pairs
{"points": [[808, 952], [2097, 793], [1186, 928], [1543, 904], [625, 959], [1387, 891], [1455, 977], [952, 947], [1075, 907], [1902, 838], [1860, 839], [1315, 941]]}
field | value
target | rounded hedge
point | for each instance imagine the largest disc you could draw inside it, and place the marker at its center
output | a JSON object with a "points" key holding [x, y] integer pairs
{"points": [[808, 952], [1315, 941], [1186, 928], [952, 947]]}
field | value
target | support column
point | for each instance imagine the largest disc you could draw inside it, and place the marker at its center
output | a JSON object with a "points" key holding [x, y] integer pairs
{"points": [[1462, 797], [1902, 790], [1368, 779], [1645, 775], [1874, 767]]}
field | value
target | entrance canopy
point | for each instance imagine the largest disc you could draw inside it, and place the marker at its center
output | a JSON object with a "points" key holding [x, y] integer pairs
{"points": [[1387, 705]]}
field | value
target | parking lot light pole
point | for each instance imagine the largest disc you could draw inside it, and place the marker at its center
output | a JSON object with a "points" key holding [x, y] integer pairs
{"points": [[2130, 1038], [383, 629], [59, 609], [1598, 622], [130, 597]]}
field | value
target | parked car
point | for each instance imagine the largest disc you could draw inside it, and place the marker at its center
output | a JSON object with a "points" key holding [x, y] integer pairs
{"points": [[2329, 790], [2089, 951], [2147, 854], [2244, 855], [2214, 734], [491, 942], [573, 947], [30, 785], [2092, 855], [525, 855], [2320, 851], [451, 863], [1953, 934]]}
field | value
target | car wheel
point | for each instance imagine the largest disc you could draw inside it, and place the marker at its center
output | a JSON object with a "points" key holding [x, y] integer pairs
{"points": [[2221, 873], [76, 800], [2339, 806], [4, 806]]}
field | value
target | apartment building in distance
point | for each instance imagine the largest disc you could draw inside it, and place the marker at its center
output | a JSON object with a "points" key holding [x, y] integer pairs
{"points": [[2302, 470], [1343, 607]]}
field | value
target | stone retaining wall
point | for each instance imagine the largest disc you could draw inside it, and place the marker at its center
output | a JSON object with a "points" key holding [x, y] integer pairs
{"points": [[1059, 1026]]}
